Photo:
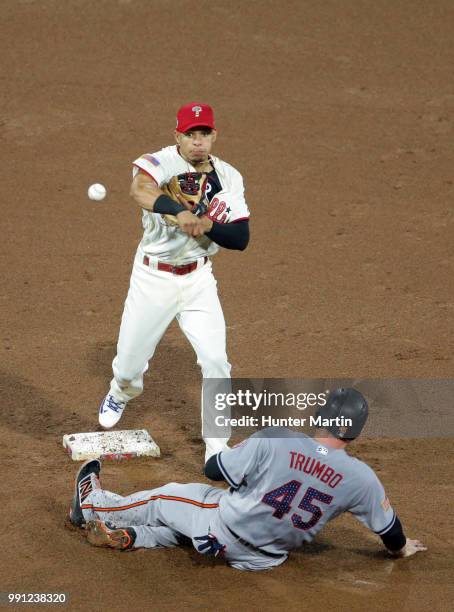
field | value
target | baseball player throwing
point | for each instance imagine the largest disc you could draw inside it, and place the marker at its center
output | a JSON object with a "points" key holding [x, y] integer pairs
{"points": [[172, 276], [284, 487]]}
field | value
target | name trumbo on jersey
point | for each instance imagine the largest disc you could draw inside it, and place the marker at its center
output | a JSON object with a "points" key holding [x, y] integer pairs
{"points": [[269, 421]]}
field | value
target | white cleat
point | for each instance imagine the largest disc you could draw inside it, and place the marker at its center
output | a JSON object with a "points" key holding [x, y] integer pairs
{"points": [[110, 411]]}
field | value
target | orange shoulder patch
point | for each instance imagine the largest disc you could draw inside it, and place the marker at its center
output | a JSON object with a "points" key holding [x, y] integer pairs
{"points": [[385, 504]]}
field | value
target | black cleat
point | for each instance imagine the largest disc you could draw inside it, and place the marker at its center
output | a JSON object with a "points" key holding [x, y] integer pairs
{"points": [[87, 480]]}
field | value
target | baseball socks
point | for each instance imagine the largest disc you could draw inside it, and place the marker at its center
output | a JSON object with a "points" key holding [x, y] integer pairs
{"points": [[214, 446], [110, 411]]}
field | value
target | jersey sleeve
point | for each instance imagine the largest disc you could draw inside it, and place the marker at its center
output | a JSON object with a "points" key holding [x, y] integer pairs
{"points": [[230, 205], [373, 508], [154, 165], [237, 462], [238, 204]]}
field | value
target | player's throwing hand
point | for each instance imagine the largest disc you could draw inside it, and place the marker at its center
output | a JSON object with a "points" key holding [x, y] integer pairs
{"points": [[190, 224]]}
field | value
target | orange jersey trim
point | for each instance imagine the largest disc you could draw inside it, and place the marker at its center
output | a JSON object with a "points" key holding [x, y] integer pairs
{"points": [[184, 500]]}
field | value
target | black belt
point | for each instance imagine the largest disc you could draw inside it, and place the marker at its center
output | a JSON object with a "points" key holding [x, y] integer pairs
{"points": [[249, 545]]}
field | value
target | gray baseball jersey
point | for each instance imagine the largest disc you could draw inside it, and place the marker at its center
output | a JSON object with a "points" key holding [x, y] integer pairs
{"points": [[286, 486]]}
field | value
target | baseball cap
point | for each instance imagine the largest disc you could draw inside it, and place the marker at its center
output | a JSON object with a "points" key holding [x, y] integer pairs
{"points": [[194, 114]]}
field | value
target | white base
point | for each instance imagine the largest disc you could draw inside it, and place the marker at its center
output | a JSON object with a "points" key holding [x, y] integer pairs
{"points": [[115, 445]]}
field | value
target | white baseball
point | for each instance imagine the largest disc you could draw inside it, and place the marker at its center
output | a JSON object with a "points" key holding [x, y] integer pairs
{"points": [[97, 192]]}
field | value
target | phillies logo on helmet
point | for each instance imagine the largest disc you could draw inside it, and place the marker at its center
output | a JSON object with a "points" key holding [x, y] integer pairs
{"points": [[196, 110]]}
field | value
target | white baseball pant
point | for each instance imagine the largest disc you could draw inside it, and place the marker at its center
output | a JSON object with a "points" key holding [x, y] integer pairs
{"points": [[154, 299]]}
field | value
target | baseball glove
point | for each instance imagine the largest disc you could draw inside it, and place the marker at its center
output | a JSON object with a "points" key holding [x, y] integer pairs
{"points": [[190, 185]]}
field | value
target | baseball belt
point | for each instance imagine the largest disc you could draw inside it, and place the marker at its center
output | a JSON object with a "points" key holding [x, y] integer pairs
{"points": [[178, 270]]}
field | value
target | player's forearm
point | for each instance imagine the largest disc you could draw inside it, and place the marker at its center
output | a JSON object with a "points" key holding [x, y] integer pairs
{"points": [[230, 235], [398, 544], [151, 198], [212, 470], [394, 539], [145, 195]]}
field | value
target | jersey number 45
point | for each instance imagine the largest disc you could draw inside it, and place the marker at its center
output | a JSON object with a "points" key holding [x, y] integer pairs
{"points": [[281, 500]]}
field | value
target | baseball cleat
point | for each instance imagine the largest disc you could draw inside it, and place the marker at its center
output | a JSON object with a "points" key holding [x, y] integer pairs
{"points": [[106, 534], [110, 411], [87, 480]]}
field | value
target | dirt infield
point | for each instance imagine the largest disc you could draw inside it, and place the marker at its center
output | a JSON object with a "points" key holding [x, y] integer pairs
{"points": [[340, 117]]}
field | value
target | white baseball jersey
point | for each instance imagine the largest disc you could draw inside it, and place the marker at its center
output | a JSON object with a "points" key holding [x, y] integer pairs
{"points": [[285, 489], [168, 243]]}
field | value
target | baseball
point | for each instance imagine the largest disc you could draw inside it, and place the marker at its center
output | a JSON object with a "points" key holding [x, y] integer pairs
{"points": [[97, 192]]}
